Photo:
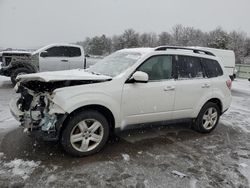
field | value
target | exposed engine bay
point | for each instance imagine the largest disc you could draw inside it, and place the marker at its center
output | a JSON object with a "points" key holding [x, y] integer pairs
{"points": [[34, 107]]}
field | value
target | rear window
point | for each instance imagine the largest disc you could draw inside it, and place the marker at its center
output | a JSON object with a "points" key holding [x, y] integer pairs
{"points": [[189, 67], [212, 68]]}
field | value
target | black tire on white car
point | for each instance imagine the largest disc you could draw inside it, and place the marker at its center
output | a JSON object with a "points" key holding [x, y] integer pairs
{"points": [[17, 72], [85, 133], [208, 118]]}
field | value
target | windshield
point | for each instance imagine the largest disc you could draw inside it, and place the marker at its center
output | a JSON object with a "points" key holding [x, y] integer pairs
{"points": [[115, 63]]}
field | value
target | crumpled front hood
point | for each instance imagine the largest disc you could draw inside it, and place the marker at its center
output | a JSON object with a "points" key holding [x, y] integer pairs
{"points": [[76, 74]]}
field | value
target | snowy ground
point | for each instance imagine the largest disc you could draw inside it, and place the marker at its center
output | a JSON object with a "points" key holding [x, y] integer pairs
{"points": [[162, 156]]}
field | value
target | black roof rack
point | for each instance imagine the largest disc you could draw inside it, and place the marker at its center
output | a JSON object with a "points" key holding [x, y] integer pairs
{"points": [[163, 48]]}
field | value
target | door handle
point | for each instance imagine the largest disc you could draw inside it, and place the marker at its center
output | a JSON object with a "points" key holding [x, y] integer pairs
{"points": [[64, 60], [169, 88], [206, 85]]}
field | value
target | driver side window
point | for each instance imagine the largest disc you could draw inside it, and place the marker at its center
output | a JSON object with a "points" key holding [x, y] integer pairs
{"points": [[158, 67], [57, 51]]}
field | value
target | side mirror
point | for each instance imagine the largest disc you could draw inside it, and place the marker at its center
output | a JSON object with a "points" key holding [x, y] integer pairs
{"points": [[44, 54], [87, 55], [140, 77]]}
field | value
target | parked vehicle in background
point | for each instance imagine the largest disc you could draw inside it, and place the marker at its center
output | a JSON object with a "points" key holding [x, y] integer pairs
{"points": [[227, 58], [92, 59], [1, 59], [81, 108], [53, 57]]}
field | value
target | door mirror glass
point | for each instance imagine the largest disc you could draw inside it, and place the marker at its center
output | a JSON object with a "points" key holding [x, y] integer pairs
{"points": [[140, 77], [44, 54]]}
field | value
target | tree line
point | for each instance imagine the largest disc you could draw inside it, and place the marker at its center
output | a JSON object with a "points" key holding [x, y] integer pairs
{"points": [[179, 35]]}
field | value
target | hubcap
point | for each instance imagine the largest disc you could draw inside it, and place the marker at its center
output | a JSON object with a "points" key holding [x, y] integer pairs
{"points": [[86, 135], [210, 118]]}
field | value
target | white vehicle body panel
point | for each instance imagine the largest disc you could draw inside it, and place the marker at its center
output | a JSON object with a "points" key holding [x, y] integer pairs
{"points": [[190, 95], [103, 94], [76, 74], [149, 102], [53, 64]]}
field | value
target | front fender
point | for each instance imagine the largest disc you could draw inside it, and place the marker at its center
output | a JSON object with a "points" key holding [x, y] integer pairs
{"points": [[69, 104]]}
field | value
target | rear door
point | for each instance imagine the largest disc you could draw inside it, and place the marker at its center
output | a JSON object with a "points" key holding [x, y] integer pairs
{"points": [[192, 86], [218, 81], [76, 57], [57, 58]]}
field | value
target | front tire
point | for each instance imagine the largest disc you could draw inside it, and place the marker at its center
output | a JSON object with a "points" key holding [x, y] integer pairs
{"points": [[85, 133], [208, 118]]}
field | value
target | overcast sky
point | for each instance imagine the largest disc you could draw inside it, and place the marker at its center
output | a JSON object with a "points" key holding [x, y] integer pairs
{"points": [[33, 23]]}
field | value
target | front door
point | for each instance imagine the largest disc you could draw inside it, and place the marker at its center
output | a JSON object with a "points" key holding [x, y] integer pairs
{"points": [[56, 59], [154, 100]]}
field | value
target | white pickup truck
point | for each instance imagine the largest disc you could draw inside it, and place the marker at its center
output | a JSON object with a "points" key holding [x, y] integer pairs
{"points": [[49, 58]]}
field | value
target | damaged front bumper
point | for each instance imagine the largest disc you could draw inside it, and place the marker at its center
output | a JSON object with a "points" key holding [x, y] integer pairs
{"points": [[43, 126]]}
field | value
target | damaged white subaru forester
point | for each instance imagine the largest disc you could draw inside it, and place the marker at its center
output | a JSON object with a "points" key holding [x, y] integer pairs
{"points": [[81, 108]]}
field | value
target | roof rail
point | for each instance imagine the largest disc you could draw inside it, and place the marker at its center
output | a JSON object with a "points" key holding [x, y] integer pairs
{"points": [[163, 48]]}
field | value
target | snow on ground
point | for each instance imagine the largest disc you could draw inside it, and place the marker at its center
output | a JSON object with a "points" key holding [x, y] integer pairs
{"points": [[19, 167], [238, 114], [7, 122]]}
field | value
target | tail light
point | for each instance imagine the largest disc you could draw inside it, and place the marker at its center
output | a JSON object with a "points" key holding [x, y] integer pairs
{"points": [[229, 84]]}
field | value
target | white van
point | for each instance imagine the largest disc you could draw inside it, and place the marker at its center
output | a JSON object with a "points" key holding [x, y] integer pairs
{"points": [[227, 58]]}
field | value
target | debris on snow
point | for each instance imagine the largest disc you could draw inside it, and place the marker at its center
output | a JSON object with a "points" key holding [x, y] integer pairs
{"points": [[244, 165], [139, 152], [52, 178], [125, 157], [21, 168], [209, 147], [181, 175]]}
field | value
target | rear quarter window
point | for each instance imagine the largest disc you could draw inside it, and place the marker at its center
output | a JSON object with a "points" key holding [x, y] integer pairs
{"points": [[212, 68]]}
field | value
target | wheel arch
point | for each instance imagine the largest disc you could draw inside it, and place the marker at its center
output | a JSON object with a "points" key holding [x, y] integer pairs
{"points": [[24, 65], [216, 101], [213, 100], [97, 107]]}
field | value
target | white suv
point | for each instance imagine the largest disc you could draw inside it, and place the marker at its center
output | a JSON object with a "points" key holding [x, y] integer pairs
{"points": [[81, 108]]}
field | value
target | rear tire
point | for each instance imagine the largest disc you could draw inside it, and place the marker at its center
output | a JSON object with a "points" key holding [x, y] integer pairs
{"points": [[208, 118], [17, 72], [85, 133]]}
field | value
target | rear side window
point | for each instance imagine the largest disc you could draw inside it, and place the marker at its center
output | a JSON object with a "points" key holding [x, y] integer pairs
{"points": [[158, 67], [212, 68], [189, 67], [74, 52]]}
